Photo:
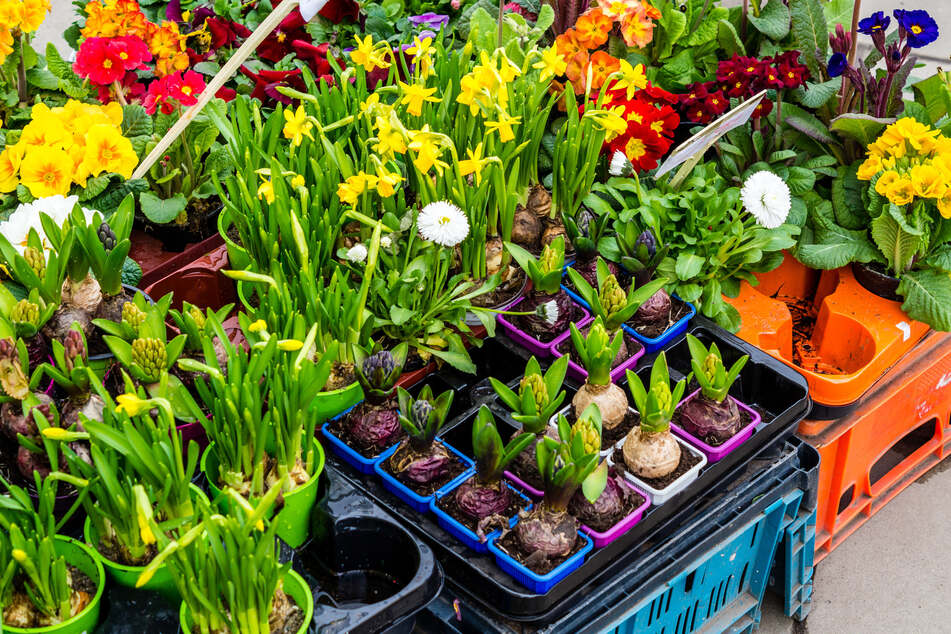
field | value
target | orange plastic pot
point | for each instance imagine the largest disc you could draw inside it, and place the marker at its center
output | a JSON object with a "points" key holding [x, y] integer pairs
{"points": [[856, 338]]}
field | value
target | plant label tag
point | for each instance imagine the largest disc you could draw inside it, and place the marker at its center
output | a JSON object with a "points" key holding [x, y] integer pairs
{"points": [[692, 150], [310, 8]]}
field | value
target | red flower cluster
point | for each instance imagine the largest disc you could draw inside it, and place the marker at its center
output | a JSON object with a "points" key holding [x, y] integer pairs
{"points": [[742, 77], [651, 122], [280, 43], [105, 60], [172, 91]]}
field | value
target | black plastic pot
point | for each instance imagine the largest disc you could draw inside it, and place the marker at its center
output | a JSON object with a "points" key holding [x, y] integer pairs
{"points": [[778, 392], [876, 281]]}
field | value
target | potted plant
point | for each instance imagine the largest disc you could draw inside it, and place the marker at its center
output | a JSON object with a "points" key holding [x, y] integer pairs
{"points": [[484, 501], [614, 306], [56, 582], [650, 456], [372, 426], [620, 506], [26, 319], [422, 465], [539, 397], [69, 371], [227, 570], [710, 418], [547, 310], [545, 545]]}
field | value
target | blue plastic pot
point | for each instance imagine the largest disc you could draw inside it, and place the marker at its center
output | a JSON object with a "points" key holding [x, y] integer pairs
{"points": [[676, 329], [540, 584], [347, 453], [462, 532], [419, 502]]}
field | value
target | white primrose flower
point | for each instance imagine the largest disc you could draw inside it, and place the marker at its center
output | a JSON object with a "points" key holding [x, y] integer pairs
{"points": [[548, 311], [620, 166], [443, 223], [357, 253], [16, 228], [766, 196]]}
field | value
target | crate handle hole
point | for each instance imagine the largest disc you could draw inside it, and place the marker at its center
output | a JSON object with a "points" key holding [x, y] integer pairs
{"points": [[846, 498], [902, 449]]}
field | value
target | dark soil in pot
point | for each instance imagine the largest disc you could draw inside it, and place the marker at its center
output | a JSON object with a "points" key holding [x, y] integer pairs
{"points": [[511, 545], [875, 279], [201, 223], [449, 504], [688, 459], [594, 516], [610, 437], [504, 293], [713, 441], [454, 468], [525, 464], [113, 553], [342, 375], [654, 329], [568, 312], [342, 428]]}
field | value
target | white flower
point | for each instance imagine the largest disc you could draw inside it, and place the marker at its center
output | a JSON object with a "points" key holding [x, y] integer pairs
{"points": [[548, 311], [386, 242], [357, 253], [620, 166], [766, 196], [443, 223], [17, 227]]}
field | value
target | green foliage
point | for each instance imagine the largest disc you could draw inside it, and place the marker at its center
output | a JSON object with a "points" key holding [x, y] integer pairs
{"points": [[656, 402], [566, 464], [491, 457], [708, 369], [424, 416], [539, 395]]}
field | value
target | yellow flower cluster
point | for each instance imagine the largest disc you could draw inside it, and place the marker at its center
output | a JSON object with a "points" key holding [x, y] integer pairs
{"points": [[19, 16], [66, 145], [911, 160]]}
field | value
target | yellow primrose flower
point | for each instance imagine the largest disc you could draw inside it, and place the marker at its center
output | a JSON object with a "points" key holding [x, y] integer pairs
{"points": [[901, 192], [414, 95], [266, 191], [108, 151], [387, 182], [428, 149], [9, 166], [298, 126], [46, 172], [869, 168], [928, 180], [504, 126], [944, 203], [885, 182], [551, 65], [474, 164], [632, 78], [132, 405]]}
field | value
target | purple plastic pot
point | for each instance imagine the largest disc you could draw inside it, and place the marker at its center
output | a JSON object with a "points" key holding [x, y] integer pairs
{"points": [[196, 432], [530, 343], [716, 453], [603, 539], [525, 486], [577, 372]]}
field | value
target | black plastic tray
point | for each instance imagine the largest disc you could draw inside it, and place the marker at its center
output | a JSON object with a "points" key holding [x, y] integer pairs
{"points": [[344, 524], [774, 473], [779, 393]]}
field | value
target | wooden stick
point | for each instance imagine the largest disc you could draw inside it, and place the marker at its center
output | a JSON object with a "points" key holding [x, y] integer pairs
{"points": [[250, 45]]}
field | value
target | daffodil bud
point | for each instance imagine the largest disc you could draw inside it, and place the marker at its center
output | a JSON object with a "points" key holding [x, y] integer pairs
{"points": [[36, 260], [132, 316], [25, 312], [534, 384], [149, 354], [132, 405]]}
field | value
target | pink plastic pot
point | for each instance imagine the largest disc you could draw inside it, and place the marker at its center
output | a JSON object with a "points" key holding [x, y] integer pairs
{"points": [[717, 453], [525, 486], [538, 348], [603, 539]]}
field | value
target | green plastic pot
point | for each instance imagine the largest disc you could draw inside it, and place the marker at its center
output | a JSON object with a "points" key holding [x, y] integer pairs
{"points": [[238, 257], [294, 586], [293, 520], [329, 404], [126, 576], [82, 556]]}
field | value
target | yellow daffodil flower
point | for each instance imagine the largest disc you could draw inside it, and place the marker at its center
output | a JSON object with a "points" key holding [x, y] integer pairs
{"points": [[632, 78], [474, 164], [551, 65], [387, 182], [297, 126], [414, 95], [266, 191], [504, 126], [132, 405], [428, 150]]}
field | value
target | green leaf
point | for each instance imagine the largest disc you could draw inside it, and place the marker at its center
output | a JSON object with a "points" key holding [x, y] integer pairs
{"points": [[834, 245], [55, 62], [131, 272], [838, 12], [773, 20], [162, 211], [917, 112], [897, 245], [815, 95], [862, 128], [847, 199], [728, 39], [688, 266], [940, 258], [810, 33], [135, 121], [927, 297], [42, 78], [935, 95], [94, 187], [807, 123]]}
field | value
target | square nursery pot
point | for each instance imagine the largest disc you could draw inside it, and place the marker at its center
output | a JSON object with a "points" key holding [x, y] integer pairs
{"points": [[347, 453], [659, 496], [714, 453], [676, 329], [539, 584], [524, 486], [420, 503], [577, 372], [538, 348], [294, 586], [293, 520], [462, 532], [603, 539], [82, 557]]}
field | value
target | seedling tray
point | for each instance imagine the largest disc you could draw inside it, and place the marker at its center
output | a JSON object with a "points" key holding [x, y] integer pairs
{"points": [[777, 392]]}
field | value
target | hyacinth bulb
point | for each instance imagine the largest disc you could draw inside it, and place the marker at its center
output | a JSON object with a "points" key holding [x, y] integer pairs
{"points": [[534, 384], [656, 309], [708, 420], [425, 470], [648, 240], [106, 236], [549, 534], [377, 367], [374, 428], [478, 501], [609, 503]]}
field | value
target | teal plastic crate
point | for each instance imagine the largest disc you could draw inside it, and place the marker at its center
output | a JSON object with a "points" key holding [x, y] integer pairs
{"points": [[793, 570]]}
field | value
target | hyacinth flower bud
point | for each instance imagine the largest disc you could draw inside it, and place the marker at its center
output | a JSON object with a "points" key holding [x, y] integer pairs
{"points": [[590, 437], [549, 260], [197, 316], [612, 296], [132, 316], [75, 348], [12, 378], [107, 236], [534, 385], [36, 260], [648, 240], [421, 411], [25, 312], [377, 367], [149, 354], [710, 365], [662, 392]]}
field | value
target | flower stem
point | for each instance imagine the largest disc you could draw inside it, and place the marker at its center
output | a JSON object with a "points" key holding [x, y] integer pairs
{"points": [[120, 95], [22, 92]]}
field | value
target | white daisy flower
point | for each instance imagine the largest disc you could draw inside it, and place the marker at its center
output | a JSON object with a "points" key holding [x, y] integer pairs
{"points": [[548, 311], [443, 223], [620, 166], [357, 253], [386, 242], [766, 196]]}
